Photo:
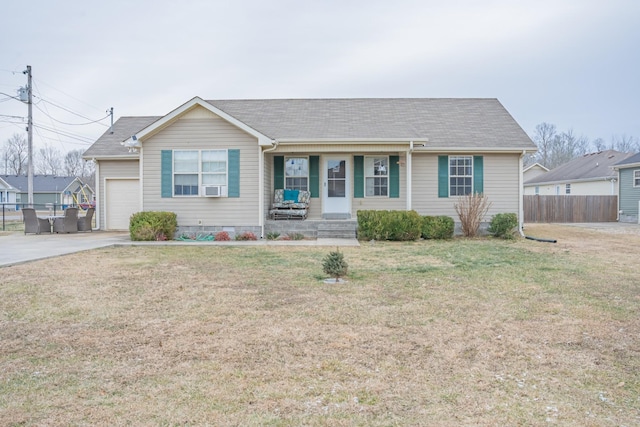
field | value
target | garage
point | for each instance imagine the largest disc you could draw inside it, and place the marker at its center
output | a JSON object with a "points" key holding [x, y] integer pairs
{"points": [[122, 199]]}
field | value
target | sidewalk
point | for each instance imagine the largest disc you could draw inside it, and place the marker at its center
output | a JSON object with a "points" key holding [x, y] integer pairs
{"points": [[17, 248]]}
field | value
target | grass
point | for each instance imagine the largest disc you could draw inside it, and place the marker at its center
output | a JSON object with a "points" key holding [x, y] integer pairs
{"points": [[462, 332]]}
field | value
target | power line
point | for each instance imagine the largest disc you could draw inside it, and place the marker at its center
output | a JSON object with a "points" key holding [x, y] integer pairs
{"points": [[46, 113], [78, 137]]}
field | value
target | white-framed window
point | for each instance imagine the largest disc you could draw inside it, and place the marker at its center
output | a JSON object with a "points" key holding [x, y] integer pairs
{"points": [[296, 173], [537, 190], [636, 178], [193, 168], [376, 176], [557, 190], [460, 175], [567, 189]]}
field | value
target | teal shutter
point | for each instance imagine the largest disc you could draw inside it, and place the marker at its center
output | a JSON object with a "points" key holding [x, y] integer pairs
{"points": [[233, 159], [443, 176], [478, 174], [166, 173], [314, 176], [394, 177], [358, 177], [278, 172]]}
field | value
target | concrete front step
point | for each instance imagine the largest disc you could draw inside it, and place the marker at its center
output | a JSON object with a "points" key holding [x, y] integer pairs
{"points": [[323, 229]]}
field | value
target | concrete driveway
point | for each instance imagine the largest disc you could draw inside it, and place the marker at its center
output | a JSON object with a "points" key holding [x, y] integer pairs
{"points": [[16, 248]]}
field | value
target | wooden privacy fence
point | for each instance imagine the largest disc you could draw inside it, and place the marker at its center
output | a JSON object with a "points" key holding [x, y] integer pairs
{"points": [[570, 208]]}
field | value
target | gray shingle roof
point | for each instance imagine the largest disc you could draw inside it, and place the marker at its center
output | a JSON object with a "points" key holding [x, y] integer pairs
{"points": [[41, 183], [473, 123], [446, 122], [590, 166], [629, 160], [108, 145]]}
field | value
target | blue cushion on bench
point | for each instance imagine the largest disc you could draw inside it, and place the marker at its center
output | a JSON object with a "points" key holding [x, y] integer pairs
{"points": [[291, 195]]}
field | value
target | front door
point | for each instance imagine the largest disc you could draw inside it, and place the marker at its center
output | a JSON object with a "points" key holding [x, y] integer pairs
{"points": [[336, 195]]}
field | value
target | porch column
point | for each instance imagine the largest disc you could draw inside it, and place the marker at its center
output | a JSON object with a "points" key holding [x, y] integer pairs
{"points": [[261, 190], [409, 173]]}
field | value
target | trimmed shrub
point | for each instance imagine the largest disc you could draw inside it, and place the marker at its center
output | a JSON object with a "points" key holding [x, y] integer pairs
{"points": [[437, 227], [389, 225], [222, 236], [149, 226], [247, 235], [503, 225]]}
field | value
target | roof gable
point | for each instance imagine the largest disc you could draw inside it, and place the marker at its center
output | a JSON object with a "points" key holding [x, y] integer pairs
{"points": [[135, 140]]}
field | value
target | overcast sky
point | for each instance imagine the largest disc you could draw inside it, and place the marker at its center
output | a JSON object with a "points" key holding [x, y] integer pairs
{"points": [[572, 63]]}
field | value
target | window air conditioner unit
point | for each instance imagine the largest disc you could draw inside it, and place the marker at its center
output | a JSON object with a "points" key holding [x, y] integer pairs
{"points": [[213, 190]]}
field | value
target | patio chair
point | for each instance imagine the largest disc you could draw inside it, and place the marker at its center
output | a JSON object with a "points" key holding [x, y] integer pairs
{"points": [[34, 224], [84, 223], [68, 223]]}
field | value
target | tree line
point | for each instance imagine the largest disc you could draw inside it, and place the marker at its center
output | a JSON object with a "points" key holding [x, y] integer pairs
{"points": [[46, 161], [556, 148]]}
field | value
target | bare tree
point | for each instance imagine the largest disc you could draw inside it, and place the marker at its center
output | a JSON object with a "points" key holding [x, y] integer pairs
{"points": [[74, 165], [566, 146], [625, 143], [15, 155], [599, 144], [49, 161], [544, 139]]}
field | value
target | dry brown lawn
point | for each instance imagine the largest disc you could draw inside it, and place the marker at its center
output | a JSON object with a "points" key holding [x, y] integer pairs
{"points": [[479, 332]]}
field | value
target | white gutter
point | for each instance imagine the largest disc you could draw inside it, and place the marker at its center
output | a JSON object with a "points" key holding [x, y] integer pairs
{"points": [[261, 184]]}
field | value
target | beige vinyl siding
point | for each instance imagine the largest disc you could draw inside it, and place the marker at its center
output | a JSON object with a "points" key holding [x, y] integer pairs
{"points": [[110, 169], [500, 185], [200, 130]]}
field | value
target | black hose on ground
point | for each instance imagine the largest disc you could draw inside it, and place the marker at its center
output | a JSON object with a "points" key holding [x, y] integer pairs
{"points": [[537, 239]]}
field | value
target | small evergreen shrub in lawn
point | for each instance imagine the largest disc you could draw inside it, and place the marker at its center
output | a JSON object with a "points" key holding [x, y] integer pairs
{"points": [[148, 226], [503, 225], [437, 227], [273, 235], [335, 265], [295, 236]]}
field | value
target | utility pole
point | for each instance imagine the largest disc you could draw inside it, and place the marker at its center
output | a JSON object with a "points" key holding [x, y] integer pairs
{"points": [[111, 112], [29, 136]]}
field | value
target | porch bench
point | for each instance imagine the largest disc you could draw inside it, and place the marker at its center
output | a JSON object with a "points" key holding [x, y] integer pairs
{"points": [[290, 204]]}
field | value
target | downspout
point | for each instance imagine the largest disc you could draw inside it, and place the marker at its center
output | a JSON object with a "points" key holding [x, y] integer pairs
{"points": [[521, 194], [99, 205], [409, 173], [521, 204], [261, 185]]}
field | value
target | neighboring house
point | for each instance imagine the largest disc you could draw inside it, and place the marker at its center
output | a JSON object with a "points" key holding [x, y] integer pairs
{"points": [[629, 188], [7, 195], [351, 154], [533, 171], [47, 189], [588, 175]]}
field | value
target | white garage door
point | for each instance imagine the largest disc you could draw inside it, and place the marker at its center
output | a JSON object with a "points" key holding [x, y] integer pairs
{"points": [[122, 199]]}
